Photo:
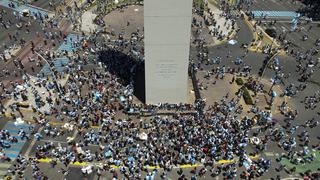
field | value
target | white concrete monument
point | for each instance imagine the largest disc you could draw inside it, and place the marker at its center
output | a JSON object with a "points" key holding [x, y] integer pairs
{"points": [[167, 28]]}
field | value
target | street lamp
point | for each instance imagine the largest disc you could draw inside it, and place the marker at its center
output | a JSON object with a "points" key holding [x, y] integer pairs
{"points": [[53, 75]]}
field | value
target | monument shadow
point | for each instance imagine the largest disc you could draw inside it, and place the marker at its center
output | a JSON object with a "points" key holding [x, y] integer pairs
{"points": [[127, 68]]}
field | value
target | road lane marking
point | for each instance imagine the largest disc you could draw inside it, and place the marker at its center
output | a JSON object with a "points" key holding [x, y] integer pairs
{"points": [[183, 166]]}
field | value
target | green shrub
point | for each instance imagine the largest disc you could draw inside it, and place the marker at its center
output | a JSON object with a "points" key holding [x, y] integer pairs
{"points": [[22, 105], [239, 81], [246, 96]]}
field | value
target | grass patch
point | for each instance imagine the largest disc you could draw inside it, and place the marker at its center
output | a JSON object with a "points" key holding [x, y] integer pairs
{"points": [[246, 96], [302, 168], [239, 81]]}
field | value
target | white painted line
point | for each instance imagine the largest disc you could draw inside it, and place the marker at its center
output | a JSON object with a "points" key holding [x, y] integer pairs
{"points": [[269, 154]]}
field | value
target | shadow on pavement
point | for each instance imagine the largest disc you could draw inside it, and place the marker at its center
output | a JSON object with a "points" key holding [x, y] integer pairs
{"points": [[126, 68]]}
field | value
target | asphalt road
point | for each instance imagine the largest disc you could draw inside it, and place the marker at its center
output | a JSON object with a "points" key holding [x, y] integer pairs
{"points": [[296, 37], [12, 29], [45, 4], [275, 5]]}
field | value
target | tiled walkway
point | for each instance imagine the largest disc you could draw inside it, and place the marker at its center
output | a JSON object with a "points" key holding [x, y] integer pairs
{"points": [[68, 45], [60, 63]]}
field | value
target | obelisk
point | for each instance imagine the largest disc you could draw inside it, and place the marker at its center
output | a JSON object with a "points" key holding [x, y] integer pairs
{"points": [[167, 28]]}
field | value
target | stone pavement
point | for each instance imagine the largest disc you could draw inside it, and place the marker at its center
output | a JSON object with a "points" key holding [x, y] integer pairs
{"points": [[117, 20], [223, 25], [43, 93], [87, 24], [214, 89]]}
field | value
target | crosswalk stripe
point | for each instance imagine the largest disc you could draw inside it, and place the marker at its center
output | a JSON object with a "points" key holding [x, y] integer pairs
{"points": [[11, 131], [12, 156], [17, 146], [275, 13], [15, 152], [11, 125], [19, 143], [12, 149]]}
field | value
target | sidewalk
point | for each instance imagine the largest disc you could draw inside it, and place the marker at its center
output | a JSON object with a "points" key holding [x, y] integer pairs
{"points": [[223, 26], [87, 24], [42, 92]]}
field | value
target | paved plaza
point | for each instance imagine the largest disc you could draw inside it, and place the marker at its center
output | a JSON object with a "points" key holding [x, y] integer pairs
{"points": [[73, 105]]}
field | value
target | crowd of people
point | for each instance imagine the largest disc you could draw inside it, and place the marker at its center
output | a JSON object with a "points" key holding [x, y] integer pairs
{"points": [[92, 101]]}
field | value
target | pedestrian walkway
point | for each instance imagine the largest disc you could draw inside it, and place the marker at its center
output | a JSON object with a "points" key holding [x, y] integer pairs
{"points": [[70, 44], [21, 7], [222, 27], [59, 65], [15, 148], [87, 24], [289, 14]]}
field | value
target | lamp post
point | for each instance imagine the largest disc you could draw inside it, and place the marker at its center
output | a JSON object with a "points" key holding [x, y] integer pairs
{"points": [[53, 75]]}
